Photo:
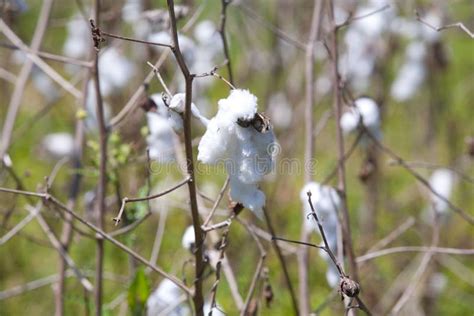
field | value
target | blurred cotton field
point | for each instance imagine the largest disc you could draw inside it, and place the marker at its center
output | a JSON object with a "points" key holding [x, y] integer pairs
{"points": [[205, 157]]}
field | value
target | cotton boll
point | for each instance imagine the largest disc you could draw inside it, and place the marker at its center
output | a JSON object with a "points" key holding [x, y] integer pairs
{"points": [[188, 239], [58, 145], [364, 109], [280, 110], [216, 311], [115, 71], [160, 141], [408, 81], [44, 85], [326, 203], [244, 150], [79, 38], [349, 121], [131, 11], [186, 44], [442, 182], [206, 33], [166, 295], [91, 108]]}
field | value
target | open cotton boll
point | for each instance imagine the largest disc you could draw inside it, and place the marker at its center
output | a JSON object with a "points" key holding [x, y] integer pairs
{"points": [[115, 71], [188, 239], [216, 311], [280, 110], [161, 138], [166, 294], [411, 74], [91, 108], [326, 203], [131, 10], [186, 44], [442, 182], [178, 105], [58, 145], [245, 151], [79, 38], [364, 109]]}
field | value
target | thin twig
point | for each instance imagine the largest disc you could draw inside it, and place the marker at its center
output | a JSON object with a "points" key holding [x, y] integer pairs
{"points": [[198, 235], [223, 36], [126, 200], [444, 27], [277, 249]]}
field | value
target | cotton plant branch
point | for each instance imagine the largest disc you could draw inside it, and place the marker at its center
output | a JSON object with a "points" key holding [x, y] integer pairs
{"points": [[348, 286], [198, 299], [458, 25], [258, 270], [222, 246], [59, 247], [400, 161], [405, 249], [275, 30], [126, 200], [15, 101], [281, 259], [100, 206], [337, 104], [133, 102], [303, 255], [222, 28], [48, 198], [34, 59]]}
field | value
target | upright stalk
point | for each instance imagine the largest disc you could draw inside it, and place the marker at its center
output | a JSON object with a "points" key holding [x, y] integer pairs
{"points": [[198, 234], [102, 186], [303, 252], [341, 173]]}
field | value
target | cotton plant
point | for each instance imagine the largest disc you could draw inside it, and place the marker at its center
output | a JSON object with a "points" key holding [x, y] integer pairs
{"points": [[280, 110], [442, 182], [115, 71], [58, 145], [165, 296], [366, 112], [326, 203], [242, 139], [411, 74], [91, 119], [78, 38], [363, 42]]}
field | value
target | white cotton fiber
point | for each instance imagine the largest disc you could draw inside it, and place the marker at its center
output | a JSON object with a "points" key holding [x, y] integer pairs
{"points": [[58, 145], [245, 151], [326, 203], [166, 295], [188, 239], [364, 109], [442, 182]]}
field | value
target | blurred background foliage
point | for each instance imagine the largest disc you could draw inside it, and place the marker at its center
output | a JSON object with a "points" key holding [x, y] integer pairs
{"points": [[433, 126]]}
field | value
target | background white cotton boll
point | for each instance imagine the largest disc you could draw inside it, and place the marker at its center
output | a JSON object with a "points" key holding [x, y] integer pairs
{"points": [[188, 239], [245, 151], [240, 104], [187, 45], [161, 138], [115, 71], [365, 109], [58, 145], [165, 295], [91, 108], [44, 85], [280, 110], [79, 38], [131, 11], [326, 202], [216, 311], [442, 182]]}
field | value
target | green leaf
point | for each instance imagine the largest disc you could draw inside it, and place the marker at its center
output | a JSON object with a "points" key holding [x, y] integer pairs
{"points": [[138, 293]]}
